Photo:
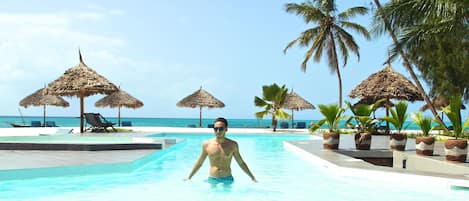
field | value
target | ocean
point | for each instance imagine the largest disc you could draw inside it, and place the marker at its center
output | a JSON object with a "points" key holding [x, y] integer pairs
{"points": [[161, 122]]}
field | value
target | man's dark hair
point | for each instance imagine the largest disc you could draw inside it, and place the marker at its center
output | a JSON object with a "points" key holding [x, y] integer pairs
{"points": [[222, 120]]}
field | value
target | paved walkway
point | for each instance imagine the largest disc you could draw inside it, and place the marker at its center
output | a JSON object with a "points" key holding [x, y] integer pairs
{"points": [[435, 166]]}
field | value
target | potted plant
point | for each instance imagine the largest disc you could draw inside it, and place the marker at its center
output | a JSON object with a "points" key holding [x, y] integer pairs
{"points": [[397, 119], [332, 116], [424, 143], [362, 121], [456, 149]]}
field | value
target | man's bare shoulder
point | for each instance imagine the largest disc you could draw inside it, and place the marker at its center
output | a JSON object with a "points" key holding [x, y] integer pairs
{"points": [[231, 141], [207, 142]]}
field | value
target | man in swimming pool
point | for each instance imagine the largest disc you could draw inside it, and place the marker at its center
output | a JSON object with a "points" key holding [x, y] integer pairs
{"points": [[220, 151]]}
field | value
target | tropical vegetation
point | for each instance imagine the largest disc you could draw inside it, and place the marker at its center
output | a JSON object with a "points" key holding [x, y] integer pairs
{"points": [[420, 30], [273, 97], [333, 114], [361, 118], [329, 35], [424, 122], [453, 111], [398, 116]]}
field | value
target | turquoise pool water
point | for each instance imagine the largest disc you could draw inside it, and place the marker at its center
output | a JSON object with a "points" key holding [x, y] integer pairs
{"points": [[282, 175]]}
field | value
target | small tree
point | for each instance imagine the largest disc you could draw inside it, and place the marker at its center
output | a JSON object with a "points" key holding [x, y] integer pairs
{"points": [[398, 116], [332, 116], [424, 122], [272, 100], [362, 116], [453, 111]]}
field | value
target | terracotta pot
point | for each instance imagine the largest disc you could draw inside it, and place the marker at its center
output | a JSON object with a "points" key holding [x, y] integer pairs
{"points": [[397, 141], [456, 150], [330, 140], [424, 145], [363, 141]]}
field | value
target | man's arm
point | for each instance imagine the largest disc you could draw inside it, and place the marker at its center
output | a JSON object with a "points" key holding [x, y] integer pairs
{"points": [[199, 162], [241, 162]]}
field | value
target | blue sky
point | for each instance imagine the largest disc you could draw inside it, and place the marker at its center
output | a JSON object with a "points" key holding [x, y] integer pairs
{"points": [[161, 51]]}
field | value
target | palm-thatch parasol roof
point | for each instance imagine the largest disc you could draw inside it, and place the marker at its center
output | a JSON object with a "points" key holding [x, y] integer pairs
{"points": [[200, 98], [118, 99], [40, 98], [295, 102], [387, 83], [81, 81]]}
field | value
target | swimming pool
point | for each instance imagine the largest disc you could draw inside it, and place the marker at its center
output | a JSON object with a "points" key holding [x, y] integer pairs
{"points": [[282, 175]]}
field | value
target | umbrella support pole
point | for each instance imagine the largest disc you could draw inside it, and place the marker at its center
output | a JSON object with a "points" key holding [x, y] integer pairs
{"points": [[292, 119], [44, 122], [200, 117], [82, 102], [388, 131], [119, 117]]}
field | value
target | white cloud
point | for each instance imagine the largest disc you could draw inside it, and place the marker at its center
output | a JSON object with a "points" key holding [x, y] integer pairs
{"points": [[35, 20], [36, 48], [89, 16]]}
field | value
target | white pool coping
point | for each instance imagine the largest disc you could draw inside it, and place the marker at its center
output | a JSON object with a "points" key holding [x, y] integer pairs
{"points": [[360, 169]]}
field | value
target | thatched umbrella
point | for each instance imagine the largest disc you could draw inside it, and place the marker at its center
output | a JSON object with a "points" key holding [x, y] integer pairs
{"points": [[40, 98], [81, 81], [200, 98], [295, 102], [118, 99], [387, 84]]}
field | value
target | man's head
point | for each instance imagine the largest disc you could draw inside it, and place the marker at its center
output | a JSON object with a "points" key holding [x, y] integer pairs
{"points": [[220, 126]]}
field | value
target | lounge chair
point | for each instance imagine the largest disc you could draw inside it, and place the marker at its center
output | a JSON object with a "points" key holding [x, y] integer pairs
{"points": [[126, 123], [36, 124], [283, 124], [50, 124], [301, 125], [98, 123]]}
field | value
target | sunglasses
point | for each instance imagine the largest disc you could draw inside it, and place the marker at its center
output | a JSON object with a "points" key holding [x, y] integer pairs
{"points": [[219, 129]]}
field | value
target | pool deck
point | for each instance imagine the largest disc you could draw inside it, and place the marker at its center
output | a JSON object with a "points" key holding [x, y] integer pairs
{"points": [[345, 161], [434, 166]]}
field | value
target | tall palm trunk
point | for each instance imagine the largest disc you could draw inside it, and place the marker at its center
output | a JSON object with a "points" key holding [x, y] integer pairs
{"points": [[274, 123], [408, 66], [336, 66]]}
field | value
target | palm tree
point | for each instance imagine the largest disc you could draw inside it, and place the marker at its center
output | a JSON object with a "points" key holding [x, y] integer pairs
{"points": [[272, 100], [418, 21], [329, 36]]}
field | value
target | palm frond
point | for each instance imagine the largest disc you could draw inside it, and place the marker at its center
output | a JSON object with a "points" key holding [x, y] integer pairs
{"points": [[290, 44], [349, 41], [352, 12], [261, 114], [259, 102], [425, 123], [356, 27], [332, 56], [343, 50], [310, 35], [305, 10], [282, 114]]}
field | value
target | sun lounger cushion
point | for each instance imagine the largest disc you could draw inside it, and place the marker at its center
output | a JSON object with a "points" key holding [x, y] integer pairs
{"points": [[35, 124], [126, 123]]}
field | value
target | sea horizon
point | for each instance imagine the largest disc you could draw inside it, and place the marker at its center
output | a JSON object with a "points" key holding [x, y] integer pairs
{"points": [[73, 121]]}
